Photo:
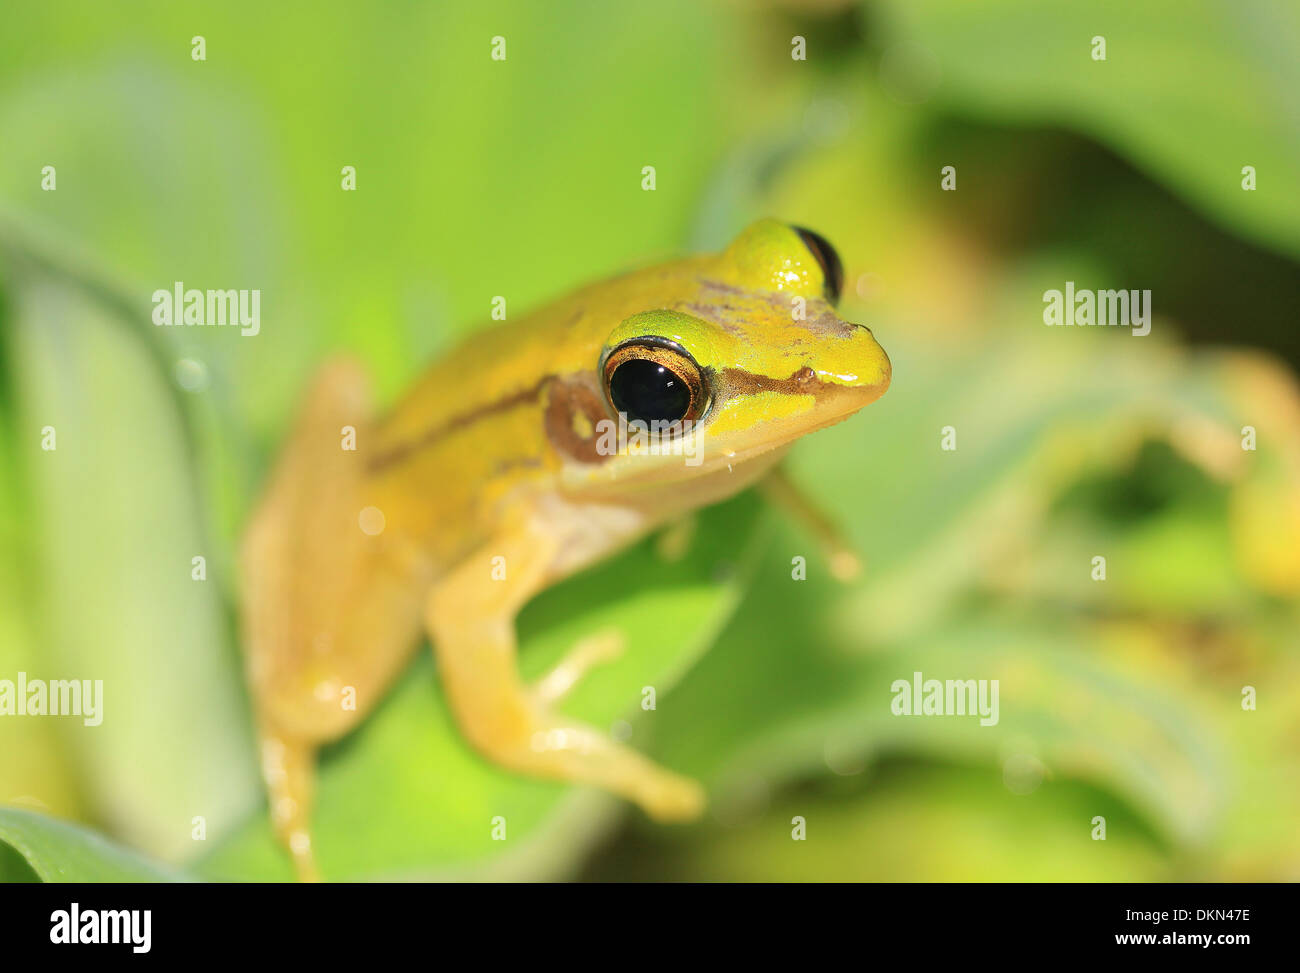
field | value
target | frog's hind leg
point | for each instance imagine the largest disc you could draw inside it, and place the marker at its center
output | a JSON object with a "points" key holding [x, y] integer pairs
{"points": [[288, 767], [330, 609], [471, 620]]}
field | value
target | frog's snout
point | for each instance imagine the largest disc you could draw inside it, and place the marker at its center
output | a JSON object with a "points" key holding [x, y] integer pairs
{"points": [[862, 368]]}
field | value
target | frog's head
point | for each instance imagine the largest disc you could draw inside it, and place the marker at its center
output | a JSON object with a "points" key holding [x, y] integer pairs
{"points": [[746, 355]]}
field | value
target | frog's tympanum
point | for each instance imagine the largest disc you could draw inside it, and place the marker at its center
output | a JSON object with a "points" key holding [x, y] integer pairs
{"points": [[507, 468]]}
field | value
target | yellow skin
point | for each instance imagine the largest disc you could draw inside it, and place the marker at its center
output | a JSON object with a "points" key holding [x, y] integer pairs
{"points": [[492, 487]]}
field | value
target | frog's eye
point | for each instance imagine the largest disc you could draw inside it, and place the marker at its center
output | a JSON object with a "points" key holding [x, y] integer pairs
{"points": [[832, 269], [650, 380]]}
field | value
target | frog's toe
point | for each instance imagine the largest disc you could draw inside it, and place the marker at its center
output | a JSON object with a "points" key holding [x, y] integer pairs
{"points": [[592, 651], [669, 798]]}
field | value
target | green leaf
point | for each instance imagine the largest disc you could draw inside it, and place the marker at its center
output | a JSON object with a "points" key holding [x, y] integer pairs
{"points": [[909, 821], [1190, 91], [1064, 709], [57, 851], [933, 522], [113, 524]]}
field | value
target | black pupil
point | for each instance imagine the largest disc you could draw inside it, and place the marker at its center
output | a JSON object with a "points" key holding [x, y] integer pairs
{"points": [[832, 269], [646, 390]]}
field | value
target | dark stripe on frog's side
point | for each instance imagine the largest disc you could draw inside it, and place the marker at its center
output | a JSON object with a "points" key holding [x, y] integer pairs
{"points": [[404, 451], [569, 397]]}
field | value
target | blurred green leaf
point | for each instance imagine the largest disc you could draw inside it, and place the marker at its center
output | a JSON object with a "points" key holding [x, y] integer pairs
{"points": [[1064, 709], [1190, 90], [113, 524], [57, 851], [931, 522], [908, 822]]}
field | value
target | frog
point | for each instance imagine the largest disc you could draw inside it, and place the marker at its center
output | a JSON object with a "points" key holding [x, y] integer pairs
{"points": [[494, 477]]}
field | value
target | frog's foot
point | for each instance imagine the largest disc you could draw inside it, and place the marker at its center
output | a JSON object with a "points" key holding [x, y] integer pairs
{"points": [[288, 767], [567, 749], [552, 745], [674, 798], [588, 653], [509, 724]]}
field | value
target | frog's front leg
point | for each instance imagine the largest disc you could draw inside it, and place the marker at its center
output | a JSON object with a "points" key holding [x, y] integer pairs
{"points": [[471, 620], [781, 491]]}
